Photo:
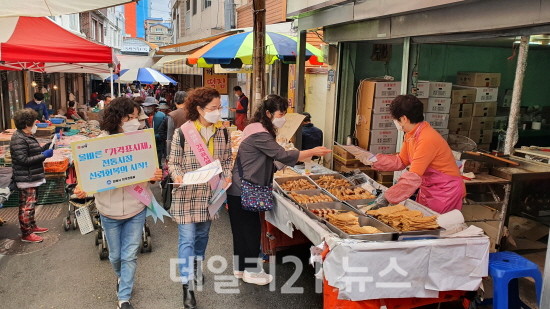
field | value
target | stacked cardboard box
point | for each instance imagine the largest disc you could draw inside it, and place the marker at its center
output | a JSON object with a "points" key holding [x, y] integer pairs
{"points": [[375, 129], [474, 106], [436, 97]]}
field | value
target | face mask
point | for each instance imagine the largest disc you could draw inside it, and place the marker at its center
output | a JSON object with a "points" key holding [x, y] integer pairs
{"points": [[279, 122], [398, 125], [131, 126], [213, 116], [34, 128]]}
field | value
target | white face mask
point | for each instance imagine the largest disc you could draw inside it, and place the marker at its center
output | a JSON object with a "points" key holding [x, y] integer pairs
{"points": [[34, 128], [131, 126], [279, 122], [398, 125], [213, 116]]}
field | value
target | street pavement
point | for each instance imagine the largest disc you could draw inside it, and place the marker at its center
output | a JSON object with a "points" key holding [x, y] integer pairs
{"points": [[65, 271]]}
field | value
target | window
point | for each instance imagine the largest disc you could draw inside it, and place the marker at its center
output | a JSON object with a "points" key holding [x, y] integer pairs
{"points": [[207, 3], [188, 5], [188, 20], [194, 7], [100, 33], [93, 29]]}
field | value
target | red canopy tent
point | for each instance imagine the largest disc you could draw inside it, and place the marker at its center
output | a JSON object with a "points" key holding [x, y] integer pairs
{"points": [[38, 44]]}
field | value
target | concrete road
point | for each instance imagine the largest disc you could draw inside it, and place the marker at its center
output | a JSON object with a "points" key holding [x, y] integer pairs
{"points": [[65, 271]]}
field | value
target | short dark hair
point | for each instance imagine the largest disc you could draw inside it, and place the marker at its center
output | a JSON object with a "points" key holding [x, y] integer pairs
{"points": [[139, 100], [107, 95], [238, 88], [272, 104], [179, 97], [308, 117], [24, 118], [71, 103], [113, 114], [38, 96], [199, 97], [407, 105]]}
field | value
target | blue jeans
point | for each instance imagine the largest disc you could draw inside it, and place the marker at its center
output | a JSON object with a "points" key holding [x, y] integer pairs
{"points": [[123, 238], [193, 238]]}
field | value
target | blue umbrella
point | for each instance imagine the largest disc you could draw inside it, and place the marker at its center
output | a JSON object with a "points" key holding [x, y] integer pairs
{"points": [[142, 75]]}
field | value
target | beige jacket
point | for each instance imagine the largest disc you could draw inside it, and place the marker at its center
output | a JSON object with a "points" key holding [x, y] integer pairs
{"points": [[118, 204]]}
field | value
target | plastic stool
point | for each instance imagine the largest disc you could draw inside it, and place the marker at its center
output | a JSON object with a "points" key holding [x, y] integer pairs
{"points": [[505, 268]]}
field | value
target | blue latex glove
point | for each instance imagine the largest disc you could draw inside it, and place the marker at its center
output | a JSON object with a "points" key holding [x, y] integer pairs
{"points": [[48, 153]]}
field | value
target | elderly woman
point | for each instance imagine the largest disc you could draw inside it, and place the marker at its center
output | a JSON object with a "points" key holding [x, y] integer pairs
{"points": [[199, 141], [122, 214], [28, 171]]}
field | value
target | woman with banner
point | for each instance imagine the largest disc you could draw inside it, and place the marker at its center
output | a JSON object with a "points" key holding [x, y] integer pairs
{"points": [[200, 141], [252, 176], [122, 210]]}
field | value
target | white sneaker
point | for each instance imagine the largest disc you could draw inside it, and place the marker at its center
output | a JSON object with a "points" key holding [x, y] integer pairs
{"points": [[260, 278], [238, 274]]}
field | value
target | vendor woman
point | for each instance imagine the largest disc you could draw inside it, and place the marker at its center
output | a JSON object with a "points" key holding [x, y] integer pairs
{"points": [[432, 167]]}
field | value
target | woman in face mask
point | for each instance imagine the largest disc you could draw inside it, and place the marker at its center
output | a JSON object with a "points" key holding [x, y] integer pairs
{"points": [[28, 171], [198, 142], [255, 163], [122, 214]]}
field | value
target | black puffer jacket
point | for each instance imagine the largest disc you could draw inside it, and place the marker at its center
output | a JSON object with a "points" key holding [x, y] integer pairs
{"points": [[27, 158]]}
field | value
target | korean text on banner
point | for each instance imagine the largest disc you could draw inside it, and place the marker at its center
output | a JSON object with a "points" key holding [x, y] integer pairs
{"points": [[115, 161]]}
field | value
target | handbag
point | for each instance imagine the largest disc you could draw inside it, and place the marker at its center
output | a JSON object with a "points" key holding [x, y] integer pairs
{"points": [[255, 197]]}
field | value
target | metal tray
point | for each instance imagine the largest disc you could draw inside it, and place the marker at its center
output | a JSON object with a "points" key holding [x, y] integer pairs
{"points": [[426, 212], [281, 180], [337, 176], [309, 193], [353, 203], [388, 232]]}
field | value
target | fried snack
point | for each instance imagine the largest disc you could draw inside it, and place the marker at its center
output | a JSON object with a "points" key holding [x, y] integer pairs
{"points": [[404, 219], [329, 182], [324, 212], [348, 194], [310, 199], [297, 185], [286, 172], [346, 221]]}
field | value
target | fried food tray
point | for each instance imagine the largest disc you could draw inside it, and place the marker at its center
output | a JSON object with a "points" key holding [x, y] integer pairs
{"points": [[337, 176], [309, 193], [388, 233], [281, 180]]}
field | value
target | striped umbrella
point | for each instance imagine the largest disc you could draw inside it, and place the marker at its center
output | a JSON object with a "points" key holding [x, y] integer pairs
{"points": [[142, 75], [238, 49]]}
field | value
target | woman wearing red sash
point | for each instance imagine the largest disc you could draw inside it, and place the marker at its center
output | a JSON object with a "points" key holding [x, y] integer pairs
{"points": [[198, 142]]}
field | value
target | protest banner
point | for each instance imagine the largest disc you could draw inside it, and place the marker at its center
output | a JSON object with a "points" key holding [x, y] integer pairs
{"points": [[115, 161]]}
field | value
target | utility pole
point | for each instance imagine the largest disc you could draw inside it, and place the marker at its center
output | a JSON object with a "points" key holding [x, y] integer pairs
{"points": [[258, 65]]}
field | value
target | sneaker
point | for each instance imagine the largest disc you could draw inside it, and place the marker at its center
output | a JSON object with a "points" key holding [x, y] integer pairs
{"points": [[125, 305], [238, 274], [260, 278], [39, 230], [32, 238]]}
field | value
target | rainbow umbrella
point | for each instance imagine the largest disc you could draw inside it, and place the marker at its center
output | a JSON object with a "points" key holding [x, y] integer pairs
{"points": [[236, 50]]}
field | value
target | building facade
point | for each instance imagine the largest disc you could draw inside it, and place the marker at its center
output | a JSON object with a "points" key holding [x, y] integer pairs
{"points": [[135, 15], [158, 33]]}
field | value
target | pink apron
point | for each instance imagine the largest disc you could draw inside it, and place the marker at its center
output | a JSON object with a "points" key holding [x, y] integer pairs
{"points": [[438, 191]]}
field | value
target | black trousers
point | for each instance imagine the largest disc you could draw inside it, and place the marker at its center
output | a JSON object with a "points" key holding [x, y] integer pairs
{"points": [[247, 230]]}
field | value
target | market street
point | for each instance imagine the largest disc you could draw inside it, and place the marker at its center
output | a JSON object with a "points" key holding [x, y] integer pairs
{"points": [[69, 274]]}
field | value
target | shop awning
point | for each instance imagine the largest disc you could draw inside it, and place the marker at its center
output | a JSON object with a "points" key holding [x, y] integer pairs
{"points": [[176, 64], [38, 8], [38, 44]]}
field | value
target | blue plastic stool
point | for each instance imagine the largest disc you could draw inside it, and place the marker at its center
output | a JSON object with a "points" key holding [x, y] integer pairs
{"points": [[505, 268]]}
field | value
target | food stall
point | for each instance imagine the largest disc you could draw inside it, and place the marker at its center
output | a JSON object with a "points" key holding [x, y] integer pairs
{"points": [[395, 256]]}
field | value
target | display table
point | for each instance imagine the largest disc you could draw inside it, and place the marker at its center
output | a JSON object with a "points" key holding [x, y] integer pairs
{"points": [[363, 271]]}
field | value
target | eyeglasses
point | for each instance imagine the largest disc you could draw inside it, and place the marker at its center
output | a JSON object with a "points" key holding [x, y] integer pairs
{"points": [[213, 108]]}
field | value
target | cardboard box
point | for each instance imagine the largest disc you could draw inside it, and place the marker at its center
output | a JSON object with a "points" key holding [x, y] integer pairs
{"points": [[461, 111], [486, 109], [440, 89], [383, 137], [482, 123], [341, 152], [439, 105], [425, 104], [436, 120], [463, 95], [481, 136], [382, 105], [444, 133], [478, 79], [483, 94], [423, 90], [381, 89], [460, 124], [385, 149], [382, 122], [340, 167]]}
